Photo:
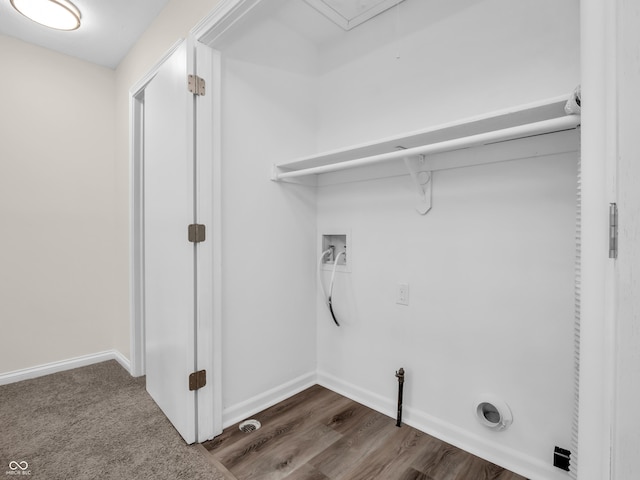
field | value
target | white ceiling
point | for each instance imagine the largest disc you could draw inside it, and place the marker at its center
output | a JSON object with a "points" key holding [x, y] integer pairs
{"points": [[109, 29]]}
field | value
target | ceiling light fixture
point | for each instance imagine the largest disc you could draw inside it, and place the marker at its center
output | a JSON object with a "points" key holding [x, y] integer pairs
{"points": [[58, 14]]}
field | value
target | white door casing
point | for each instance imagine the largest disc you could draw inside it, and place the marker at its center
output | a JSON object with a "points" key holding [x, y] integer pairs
{"points": [[209, 261]]}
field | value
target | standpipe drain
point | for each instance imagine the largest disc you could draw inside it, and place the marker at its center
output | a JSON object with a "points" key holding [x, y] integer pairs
{"points": [[249, 426]]}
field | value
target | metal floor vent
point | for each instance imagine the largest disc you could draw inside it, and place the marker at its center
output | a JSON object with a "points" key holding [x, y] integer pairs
{"points": [[249, 426]]}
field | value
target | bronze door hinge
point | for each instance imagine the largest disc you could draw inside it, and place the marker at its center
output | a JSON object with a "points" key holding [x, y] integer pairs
{"points": [[196, 233], [197, 380]]}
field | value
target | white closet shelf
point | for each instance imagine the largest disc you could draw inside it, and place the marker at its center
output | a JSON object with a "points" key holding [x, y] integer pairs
{"points": [[519, 122]]}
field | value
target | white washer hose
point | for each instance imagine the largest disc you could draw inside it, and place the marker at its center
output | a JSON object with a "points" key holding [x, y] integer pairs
{"points": [[333, 276]]}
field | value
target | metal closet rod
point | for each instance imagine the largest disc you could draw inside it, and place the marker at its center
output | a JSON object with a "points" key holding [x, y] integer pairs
{"points": [[530, 129]]}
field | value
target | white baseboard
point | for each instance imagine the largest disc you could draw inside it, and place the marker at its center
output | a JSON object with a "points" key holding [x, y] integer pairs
{"points": [[357, 394], [63, 365], [243, 410], [510, 459]]}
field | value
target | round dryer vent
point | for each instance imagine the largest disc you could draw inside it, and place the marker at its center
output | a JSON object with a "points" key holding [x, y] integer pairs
{"points": [[493, 413], [249, 426]]}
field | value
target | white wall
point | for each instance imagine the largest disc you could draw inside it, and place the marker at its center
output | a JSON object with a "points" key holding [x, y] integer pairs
{"points": [[57, 207], [441, 61], [268, 232], [490, 270]]}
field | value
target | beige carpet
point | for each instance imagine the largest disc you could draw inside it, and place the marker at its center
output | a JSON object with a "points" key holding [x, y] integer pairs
{"points": [[95, 422]]}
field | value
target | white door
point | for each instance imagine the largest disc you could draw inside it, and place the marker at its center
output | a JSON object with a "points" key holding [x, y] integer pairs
{"points": [[169, 258]]}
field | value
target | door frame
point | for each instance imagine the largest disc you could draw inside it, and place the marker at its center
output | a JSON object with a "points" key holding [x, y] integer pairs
{"points": [[597, 416], [207, 212], [598, 310], [599, 316], [136, 214]]}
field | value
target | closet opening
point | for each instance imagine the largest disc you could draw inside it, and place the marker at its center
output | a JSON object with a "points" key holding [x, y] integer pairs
{"points": [[491, 266]]}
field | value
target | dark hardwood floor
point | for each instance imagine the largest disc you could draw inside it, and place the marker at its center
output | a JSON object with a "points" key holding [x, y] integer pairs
{"points": [[320, 435]]}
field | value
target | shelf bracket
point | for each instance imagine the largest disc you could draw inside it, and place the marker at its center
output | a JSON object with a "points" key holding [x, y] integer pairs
{"points": [[423, 179]]}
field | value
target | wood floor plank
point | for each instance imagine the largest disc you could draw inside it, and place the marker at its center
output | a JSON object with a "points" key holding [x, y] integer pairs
{"points": [[354, 419], [320, 435], [277, 422], [293, 427], [232, 434], [354, 446], [451, 463], [307, 472], [385, 462], [443, 463], [286, 456], [480, 469], [413, 474]]}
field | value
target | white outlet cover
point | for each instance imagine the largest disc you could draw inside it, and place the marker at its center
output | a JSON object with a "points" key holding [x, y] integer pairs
{"points": [[351, 13], [402, 295]]}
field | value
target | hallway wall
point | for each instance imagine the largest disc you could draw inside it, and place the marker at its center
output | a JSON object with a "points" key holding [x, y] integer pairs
{"points": [[57, 198]]}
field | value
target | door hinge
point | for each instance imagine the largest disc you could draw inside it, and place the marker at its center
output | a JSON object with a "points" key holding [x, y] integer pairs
{"points": [[613, 230], [197, 380], [196, 233], [196, 85]]}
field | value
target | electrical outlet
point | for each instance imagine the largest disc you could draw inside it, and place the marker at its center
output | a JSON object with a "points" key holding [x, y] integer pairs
{"points": [[402, 294]]}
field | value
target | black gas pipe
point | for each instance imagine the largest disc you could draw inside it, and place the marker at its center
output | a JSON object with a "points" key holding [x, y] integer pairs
{"points": [[400, 377]]}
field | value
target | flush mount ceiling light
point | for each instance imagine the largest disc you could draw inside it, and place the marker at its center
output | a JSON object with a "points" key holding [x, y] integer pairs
{"points": [[58, 14]]}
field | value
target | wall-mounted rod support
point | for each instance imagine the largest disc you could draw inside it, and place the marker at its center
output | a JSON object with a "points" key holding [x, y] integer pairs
{"points": [[400, 377], [422, 179]]}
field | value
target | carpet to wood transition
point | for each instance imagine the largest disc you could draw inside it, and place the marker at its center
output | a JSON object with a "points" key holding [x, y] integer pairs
{"points": [[94, 422]]}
